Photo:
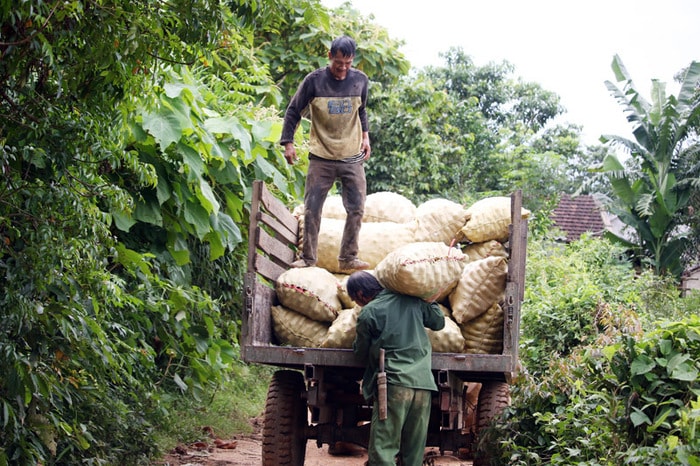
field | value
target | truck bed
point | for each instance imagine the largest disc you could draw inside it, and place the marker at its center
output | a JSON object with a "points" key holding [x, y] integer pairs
{"points": [[273, 234]]}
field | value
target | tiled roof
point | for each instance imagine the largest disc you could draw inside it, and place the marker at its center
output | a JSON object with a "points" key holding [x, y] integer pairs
{"points": [[577, 215]]}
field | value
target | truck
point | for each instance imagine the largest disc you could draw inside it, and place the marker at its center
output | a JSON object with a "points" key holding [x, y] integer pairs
{"points": [[314, 393]]}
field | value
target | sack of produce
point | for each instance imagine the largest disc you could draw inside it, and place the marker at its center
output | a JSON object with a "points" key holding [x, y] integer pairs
{"points": [[386, 206], [439, 220], [476, 251], [382, 206], [294, 329], [482, 283], [484, 335], [489, 219], [341, 333], [449, 339], [311, 291], [333, 208], [421, 269], [375, 242]]}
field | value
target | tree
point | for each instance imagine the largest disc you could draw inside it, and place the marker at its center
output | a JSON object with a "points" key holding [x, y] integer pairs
{"points": [[652, 192]]}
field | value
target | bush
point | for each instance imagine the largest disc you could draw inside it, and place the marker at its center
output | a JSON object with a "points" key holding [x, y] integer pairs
{"points": [[620, 385]]}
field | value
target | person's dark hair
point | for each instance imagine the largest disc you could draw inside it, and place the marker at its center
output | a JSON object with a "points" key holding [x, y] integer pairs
{"points": [[365, 282], [346, 45]]}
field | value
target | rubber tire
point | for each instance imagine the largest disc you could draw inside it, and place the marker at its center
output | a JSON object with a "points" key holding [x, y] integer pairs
{"points": [[285, 421], [493, 398]]}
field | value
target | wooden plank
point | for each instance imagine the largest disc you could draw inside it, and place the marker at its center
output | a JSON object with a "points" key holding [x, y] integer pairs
{"points": [[267, 268], [299, 357], [253, 224], [278, 210], [270, 246], [282, 233], [262, 316]]}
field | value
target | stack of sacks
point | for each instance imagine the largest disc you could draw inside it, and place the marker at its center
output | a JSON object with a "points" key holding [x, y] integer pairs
{"points": [[386, 225], [410, 253]]}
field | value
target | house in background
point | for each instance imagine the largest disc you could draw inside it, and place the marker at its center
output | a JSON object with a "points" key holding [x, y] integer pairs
{"points": [[575, 216], [690, 280]]}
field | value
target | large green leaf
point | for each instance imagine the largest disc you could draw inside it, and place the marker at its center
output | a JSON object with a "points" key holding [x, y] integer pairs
{"points": [[166, 129]]}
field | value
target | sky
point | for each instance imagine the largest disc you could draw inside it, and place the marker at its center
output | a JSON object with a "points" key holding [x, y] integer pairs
{"points": [[566, 46]]}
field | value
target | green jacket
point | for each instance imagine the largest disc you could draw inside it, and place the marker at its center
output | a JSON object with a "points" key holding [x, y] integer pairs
{"points": [[397, 322]]}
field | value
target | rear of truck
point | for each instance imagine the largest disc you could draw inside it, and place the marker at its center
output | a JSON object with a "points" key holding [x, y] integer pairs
{"points": [[315, 395]]}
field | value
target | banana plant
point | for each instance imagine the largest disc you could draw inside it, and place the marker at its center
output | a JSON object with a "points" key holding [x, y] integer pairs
{"points": [[651, 198]]}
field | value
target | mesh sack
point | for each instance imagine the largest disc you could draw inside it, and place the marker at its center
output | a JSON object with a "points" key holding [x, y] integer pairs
{"points": [[483, 282], [439, 220], [489, 220], [341, 333], [421, 269], [375, 242], [333, 208], [484, 335], [449, 339], [311, 291], [476, 251], [294, 329], [386, 206]]}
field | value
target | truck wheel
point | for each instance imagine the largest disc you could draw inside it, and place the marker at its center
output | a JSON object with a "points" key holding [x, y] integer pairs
{"points": [[493, 398], [285, 421]]}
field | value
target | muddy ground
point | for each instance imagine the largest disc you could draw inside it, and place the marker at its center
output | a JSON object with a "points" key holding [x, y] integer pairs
{"points": [[246, 450]]}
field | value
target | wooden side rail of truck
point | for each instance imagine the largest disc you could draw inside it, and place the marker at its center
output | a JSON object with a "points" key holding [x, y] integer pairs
{"points": [[316, 393]]}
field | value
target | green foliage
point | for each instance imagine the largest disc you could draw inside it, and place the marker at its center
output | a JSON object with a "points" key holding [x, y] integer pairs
{"points": [[130, 133], [625, 391], [652, 198], [566, 288]]}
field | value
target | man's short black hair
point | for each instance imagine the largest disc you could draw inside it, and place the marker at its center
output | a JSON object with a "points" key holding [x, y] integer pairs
{"points": [[346, 45], [365, 282]]}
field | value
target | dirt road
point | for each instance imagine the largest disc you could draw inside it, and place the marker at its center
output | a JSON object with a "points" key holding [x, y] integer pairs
{"points": [[246, 451]]}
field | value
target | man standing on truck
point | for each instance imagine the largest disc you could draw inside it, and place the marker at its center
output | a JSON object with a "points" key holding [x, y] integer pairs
{"points": [[336, 97], [395, 323]]}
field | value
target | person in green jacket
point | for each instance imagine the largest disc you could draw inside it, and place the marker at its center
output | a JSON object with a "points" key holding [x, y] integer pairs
{"points": [[396, 323]]}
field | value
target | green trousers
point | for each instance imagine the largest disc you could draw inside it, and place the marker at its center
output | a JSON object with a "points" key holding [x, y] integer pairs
{"points": [[405, 429]]}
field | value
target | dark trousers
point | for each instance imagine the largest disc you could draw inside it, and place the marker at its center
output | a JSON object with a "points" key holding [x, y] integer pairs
{"points": [[404, 431], [319, 180]]}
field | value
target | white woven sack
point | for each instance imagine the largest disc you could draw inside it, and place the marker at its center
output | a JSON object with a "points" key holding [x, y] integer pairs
{"points": [[484, 335], [333, 208], [440, 220], [375, 242], [341, 333], [311, 291], [385, 206], [482, 283], [447, 340], [490, 219], [294, 329], [421, 269], [476, 251]]}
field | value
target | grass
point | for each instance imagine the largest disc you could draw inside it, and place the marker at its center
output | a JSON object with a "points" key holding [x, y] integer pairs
{"points": [[226, 411]]}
